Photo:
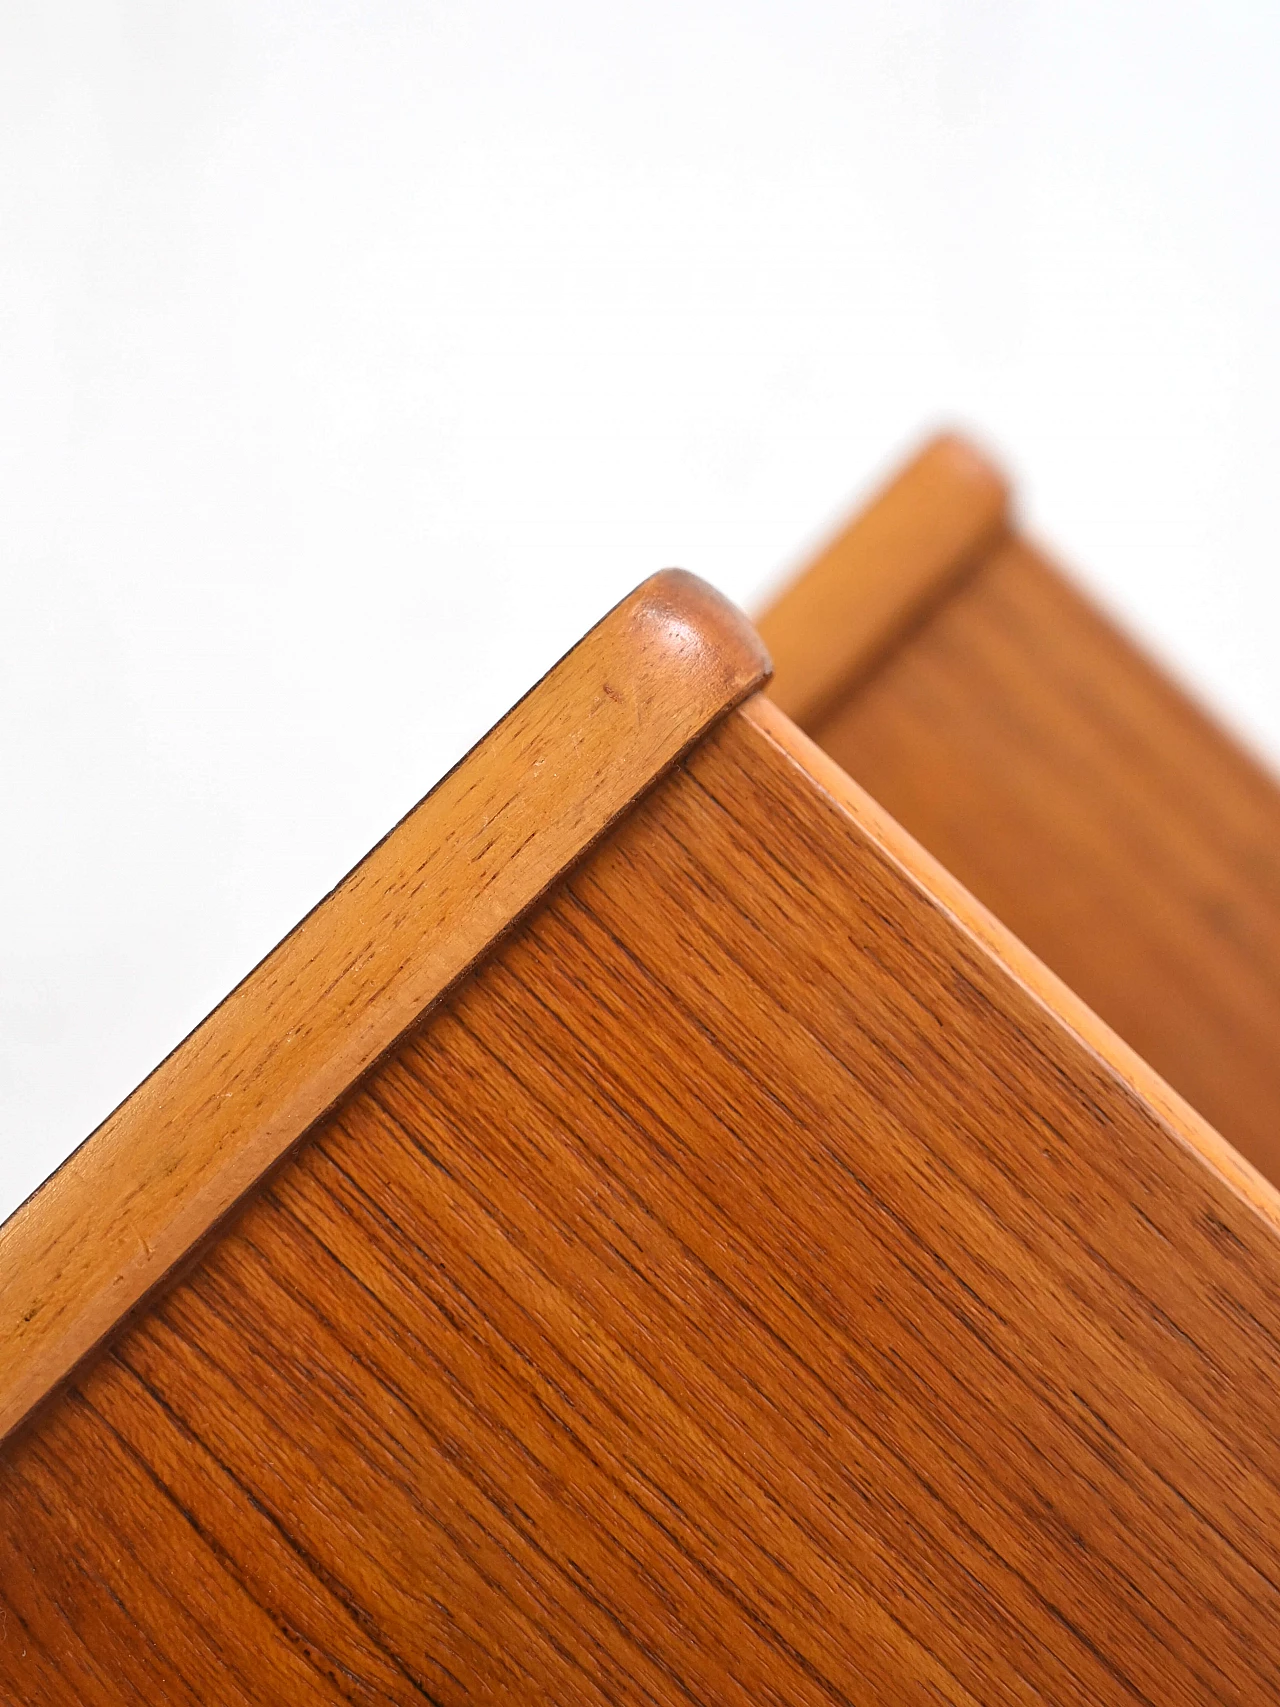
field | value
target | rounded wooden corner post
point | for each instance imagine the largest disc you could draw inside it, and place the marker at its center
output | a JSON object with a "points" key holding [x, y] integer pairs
{"points": [[546, 782], [933, 520]]}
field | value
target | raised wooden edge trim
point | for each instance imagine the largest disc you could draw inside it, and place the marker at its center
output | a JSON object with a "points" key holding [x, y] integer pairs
{"points": [[1188, 1127], [412, 917], [934, 519]]}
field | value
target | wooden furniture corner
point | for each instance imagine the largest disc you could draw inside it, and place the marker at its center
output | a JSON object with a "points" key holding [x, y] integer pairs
{"points": [[650, 1236], [979, 694], [367, 963]]}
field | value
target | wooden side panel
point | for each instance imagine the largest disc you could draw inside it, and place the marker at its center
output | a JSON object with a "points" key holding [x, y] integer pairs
{"points": [[747, 1288], [897, 556], [1125, 839], [360, 969]]}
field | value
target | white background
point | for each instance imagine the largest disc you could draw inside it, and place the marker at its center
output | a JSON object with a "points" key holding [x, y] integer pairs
{"points": [[354, 358]]}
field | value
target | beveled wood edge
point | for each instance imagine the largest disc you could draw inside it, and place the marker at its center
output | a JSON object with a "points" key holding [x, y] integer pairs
{"points": [[1188, 1127], [935, 519], [413, 917]]}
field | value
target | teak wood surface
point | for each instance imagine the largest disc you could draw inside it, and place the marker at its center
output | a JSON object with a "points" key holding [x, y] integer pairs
{"points": [[902, 553], [758, 1281], [1057, 772], [360, 969]]}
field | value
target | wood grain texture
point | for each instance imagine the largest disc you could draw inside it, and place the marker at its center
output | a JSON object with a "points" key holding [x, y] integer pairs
{"points": [[752, 1285], [1124, 837], [878, 576], [361, 968]]}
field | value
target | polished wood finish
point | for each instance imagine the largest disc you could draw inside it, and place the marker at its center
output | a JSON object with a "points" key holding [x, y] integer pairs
{"points": [[758, 1281], [1057, 772], [360, 969], [880, 574]]}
